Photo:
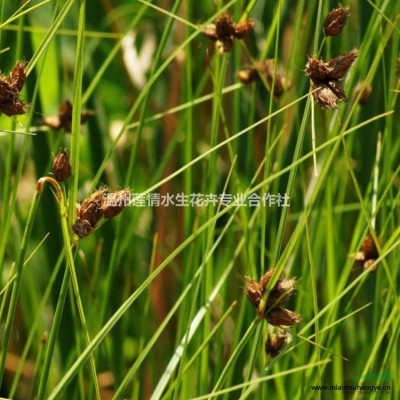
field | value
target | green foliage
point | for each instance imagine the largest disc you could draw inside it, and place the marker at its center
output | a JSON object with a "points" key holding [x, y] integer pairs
{"points": [[152, 303]]}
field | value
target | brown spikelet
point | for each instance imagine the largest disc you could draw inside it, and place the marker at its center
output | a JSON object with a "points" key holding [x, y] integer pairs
{"points": [[100, 204], [324, 96], [91, 208], [10, 87], [335, 21], [242, 29], [18, 76], [61, 166], [275, 343], [254, 291], [368, 254], [282, 317], [279, 294], [82, 228], [317, 70], [369, 248], [341, 64], [325, 77], [115, 202]]}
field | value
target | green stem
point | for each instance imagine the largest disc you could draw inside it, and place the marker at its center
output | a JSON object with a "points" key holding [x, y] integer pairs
{"points": [[17, 280], [53, 335]]}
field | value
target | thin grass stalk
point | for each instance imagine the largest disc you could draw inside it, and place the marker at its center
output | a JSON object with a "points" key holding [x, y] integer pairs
{"points": [[35, 325], [52, 339], [17, 282]]}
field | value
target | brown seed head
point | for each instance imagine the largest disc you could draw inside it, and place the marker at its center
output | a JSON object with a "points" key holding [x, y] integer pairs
{"points": [[281, 293], [254, 291], [341, 64], [10, 86], [115, 202], [61, 166], [335, 21], [17, 76], [224, 26], [317, 70], [91, 208], [369, 248], [12, 107], [282, 317], [368, 254], [82, 228], [242, 29], [6, 92], [275, 343], [264, 280], [224, 31], [324, 96]]}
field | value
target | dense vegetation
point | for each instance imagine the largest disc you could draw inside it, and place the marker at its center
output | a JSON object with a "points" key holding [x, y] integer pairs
{"points": [[252, 151]]}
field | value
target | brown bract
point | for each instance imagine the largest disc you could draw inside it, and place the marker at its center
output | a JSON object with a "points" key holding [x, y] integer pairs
{"points": [[325, 77], [61, 168], [279, 294], [335, 21], [10, 88], [224, 32], [64, 118]]}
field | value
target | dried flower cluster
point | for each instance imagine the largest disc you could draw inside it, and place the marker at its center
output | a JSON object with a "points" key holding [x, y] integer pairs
{"points": [[10, 88], [368, 254], [264, 70], [325, 77], [335, 21], [99, 204], [64, 118], [275, 343], [61, 169], [224, 32], [279, 294]]}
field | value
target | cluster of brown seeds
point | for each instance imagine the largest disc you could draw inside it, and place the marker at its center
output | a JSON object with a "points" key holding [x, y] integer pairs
{"points": [[368, 253], [224, 32], [64, 118], [264, 70], [279, 294], [99, 204], [325, 77], [61, 169], [10, 88]]}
